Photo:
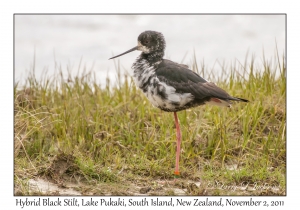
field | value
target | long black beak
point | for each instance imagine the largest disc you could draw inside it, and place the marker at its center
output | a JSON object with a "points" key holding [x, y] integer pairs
{"points": [[133, 49]]}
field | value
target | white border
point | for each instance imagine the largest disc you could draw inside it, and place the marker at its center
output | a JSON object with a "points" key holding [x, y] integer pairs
{"points": [[187, 6]]}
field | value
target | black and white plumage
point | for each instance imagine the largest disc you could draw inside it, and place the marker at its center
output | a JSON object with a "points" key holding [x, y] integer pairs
{"points": [[170, 86]]}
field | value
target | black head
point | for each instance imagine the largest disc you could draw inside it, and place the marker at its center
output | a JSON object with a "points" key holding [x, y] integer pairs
{"points": [[149, 42]]}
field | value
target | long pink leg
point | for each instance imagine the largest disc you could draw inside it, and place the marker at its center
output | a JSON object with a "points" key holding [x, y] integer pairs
{"points": [[178, 135]]}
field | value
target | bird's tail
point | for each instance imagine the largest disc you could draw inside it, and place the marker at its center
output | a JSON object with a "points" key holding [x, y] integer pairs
{"points": [[239, 99]]}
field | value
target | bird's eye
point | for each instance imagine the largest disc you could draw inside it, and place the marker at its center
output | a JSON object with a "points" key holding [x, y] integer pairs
{"points": [[147, 41]]}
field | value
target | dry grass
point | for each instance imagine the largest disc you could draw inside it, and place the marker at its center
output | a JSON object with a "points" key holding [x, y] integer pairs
{"points": [[112, 138]]}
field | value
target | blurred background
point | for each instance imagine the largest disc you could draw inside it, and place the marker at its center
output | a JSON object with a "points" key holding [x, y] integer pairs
{"points": [[71, 42]]}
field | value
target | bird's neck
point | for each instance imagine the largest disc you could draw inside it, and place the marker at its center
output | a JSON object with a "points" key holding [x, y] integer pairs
{"points": [[152, 57], [147, 62]]}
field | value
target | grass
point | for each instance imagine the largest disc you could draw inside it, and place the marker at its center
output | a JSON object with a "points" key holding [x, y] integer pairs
{"points": [[111, 140]]}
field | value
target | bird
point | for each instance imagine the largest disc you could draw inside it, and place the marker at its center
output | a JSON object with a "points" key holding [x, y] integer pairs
{"points": [[171, 86]]}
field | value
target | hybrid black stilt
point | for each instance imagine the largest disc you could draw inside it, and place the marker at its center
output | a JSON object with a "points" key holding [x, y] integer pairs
{"points": [[170, 86]]}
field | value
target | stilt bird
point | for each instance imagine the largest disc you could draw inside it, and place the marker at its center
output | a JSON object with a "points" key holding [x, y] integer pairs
{"points": [[170, 86]]}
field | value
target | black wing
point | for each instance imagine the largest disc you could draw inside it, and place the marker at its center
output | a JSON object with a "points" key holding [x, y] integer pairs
{"points": [[185, 80]]}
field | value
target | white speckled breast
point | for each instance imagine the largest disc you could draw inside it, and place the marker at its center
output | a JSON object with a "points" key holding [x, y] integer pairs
{"points": [[159, 93]]}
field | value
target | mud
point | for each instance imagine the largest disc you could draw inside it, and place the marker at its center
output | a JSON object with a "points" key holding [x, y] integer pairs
{"points": [[40, 186], [44, 187], [63, 177]]}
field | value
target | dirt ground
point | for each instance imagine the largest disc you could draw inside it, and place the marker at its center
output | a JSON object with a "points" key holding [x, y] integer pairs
{"points": [[63, 178]]}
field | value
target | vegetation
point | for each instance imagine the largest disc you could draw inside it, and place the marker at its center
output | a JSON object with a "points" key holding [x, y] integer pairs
{"points": [[112, 141]]}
